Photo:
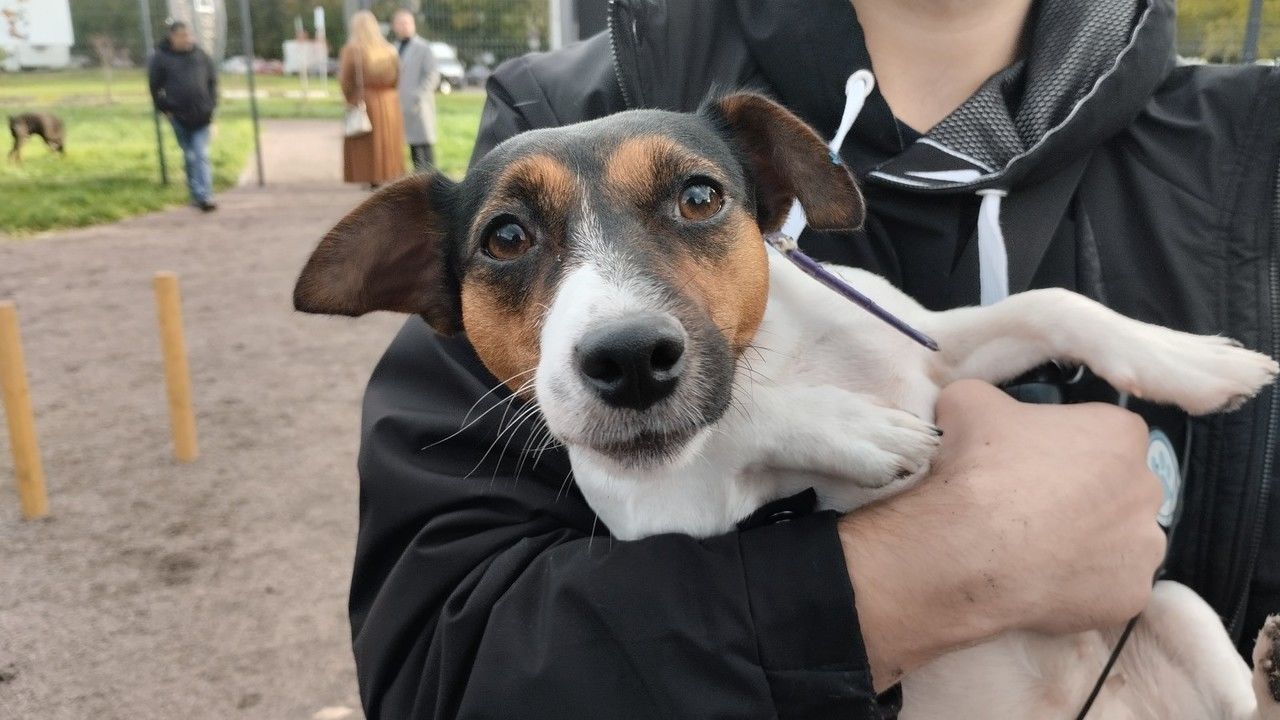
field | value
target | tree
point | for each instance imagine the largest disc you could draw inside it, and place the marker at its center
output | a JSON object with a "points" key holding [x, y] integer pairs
{"points": [[505, 28], [104, 46], [117, 19]]}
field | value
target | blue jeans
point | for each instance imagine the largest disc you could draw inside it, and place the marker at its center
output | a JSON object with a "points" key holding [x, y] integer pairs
{"points": [[195, 160]]}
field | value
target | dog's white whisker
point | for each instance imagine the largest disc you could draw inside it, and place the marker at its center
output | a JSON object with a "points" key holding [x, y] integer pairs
{"points": [[504, 429], [505, 401], [530, 412], [564, 484]]}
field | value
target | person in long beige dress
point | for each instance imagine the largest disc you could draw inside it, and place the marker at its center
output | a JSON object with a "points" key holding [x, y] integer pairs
{"points": [[368, 70]]}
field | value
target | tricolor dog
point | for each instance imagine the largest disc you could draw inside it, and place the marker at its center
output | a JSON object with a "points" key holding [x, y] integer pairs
{"points": [[614, 272]]}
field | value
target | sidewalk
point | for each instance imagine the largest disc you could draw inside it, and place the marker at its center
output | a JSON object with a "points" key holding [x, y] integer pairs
{"points": [[298, 152], [215, 589]]}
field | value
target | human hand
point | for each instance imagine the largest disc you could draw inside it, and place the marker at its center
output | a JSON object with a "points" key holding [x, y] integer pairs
{"points": [[1033, 517]]}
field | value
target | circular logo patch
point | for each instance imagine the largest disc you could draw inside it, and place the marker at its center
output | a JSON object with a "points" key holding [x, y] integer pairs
{"points": [[1163, 461]]}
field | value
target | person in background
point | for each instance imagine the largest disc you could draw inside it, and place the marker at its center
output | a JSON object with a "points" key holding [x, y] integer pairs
{"points": [[367, 70], [419, 76], [184, 86]]}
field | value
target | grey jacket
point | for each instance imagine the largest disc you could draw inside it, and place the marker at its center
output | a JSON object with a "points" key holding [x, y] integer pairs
{"points": [[419, 76]]}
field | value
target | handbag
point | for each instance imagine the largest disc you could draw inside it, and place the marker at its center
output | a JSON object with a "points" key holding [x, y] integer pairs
{"points": [[356, 120]]}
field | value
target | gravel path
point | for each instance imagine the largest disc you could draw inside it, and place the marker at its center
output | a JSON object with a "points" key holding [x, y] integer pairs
{"points": [[215, 589]]}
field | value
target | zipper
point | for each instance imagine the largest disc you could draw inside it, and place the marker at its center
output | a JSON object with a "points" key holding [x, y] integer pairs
{"points": [[1268, 462], [612, 19]]}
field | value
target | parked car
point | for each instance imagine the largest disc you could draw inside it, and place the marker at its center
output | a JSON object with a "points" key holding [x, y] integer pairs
{"points": [[480, 70], [239, 65], [478, 74], [452, 76], [235, 65]]}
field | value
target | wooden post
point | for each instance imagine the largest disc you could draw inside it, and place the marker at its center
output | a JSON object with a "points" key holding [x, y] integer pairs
{"points": [[182, 419], [22, 423]]}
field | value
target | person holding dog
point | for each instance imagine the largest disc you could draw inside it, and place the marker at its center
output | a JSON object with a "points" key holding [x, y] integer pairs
{"points": [[367, 70], [184, 86], [1065, 126]]}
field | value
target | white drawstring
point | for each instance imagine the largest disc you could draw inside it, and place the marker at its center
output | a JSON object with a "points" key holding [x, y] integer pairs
{"points": [[993, 258], [856, 90]]}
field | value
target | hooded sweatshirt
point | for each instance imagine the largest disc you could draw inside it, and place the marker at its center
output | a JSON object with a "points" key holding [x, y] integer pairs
{"points": [[1148, 186]]}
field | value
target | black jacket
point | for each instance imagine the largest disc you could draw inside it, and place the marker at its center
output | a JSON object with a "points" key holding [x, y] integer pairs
{"points": [[184, 84], [483, 587]]}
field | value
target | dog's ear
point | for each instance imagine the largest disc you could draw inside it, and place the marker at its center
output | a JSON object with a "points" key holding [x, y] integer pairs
{"points": [[391, 253], [787, 160]]}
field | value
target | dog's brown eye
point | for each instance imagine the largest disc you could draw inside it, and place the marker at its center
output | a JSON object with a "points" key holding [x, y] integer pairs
{"points": [[507, 241], [700, 201]]}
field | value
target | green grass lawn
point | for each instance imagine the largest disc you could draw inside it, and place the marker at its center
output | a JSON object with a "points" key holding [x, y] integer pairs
{"points": [[110, 171]]}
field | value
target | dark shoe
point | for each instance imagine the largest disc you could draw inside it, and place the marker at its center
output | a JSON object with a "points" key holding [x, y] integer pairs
{"points": [[207, 205]]}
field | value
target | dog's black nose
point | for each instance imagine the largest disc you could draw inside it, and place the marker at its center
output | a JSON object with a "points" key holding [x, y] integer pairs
{"points": [[633, 363]]}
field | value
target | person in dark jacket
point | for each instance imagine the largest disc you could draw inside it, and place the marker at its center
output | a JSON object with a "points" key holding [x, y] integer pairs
{"points": [[184, 86], [484, 587]]}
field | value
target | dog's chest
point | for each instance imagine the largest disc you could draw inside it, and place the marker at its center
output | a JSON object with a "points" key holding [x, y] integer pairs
{"points": [[811, 337]]}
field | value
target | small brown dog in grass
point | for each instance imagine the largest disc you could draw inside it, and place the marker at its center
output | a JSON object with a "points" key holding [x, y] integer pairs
{"points": [[47, 125], [614, 273]]}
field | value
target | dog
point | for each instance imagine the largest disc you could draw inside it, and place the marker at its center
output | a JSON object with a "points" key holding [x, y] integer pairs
{"points": [[695, 375], [47, 125]]}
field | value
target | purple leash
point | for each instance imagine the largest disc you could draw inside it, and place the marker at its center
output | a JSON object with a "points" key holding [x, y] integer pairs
{"points": [[786, 245], [856, 90]]}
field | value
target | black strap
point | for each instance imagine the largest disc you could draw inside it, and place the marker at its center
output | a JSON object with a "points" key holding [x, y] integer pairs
{"points": [[1106, 669]]}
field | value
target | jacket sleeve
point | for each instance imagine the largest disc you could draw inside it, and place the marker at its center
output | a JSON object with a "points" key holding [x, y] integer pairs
{"points": [[429, 74], [155, 80], [549, 90], [484, 587], [213, 80]]}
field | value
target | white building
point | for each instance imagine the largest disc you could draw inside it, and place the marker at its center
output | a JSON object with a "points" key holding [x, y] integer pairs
{"points": [[35, 34]]}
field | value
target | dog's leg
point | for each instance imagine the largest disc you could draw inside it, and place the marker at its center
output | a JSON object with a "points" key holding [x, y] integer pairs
{"points": [[15, 155], [1201, 374], [840, 436]]}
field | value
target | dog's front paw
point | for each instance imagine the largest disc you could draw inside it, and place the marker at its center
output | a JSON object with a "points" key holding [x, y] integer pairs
{"points": [[1266, 669], [894, 445], [1202, 374], [872, 445]]}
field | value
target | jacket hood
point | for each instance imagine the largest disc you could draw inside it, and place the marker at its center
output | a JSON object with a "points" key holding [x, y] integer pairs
{"points": [[1092, 68]]}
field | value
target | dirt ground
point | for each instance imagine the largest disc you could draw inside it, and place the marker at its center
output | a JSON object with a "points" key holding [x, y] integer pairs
{"points": [[215, 589]]}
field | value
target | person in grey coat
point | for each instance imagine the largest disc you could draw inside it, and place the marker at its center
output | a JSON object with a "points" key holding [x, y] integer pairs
{"points": [[419, 75]]}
